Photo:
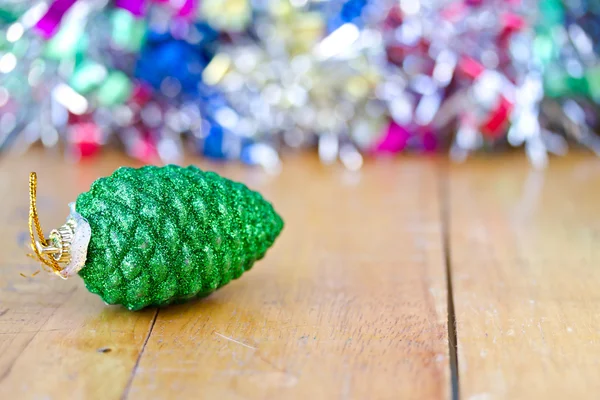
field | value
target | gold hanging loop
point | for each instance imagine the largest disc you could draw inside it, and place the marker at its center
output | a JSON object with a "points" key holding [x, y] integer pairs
{"points": [[43, 251]]}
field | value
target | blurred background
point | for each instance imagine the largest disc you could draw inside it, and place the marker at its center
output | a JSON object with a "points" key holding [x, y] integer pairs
{"points": [[254, 80]]}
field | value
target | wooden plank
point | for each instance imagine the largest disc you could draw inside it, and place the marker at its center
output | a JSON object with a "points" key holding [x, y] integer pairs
{"points": [[350, 303], [51, 330], [525, 259]]}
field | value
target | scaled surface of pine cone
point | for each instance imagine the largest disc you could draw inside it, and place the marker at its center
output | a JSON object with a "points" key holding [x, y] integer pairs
{"points": [[165, 234]]}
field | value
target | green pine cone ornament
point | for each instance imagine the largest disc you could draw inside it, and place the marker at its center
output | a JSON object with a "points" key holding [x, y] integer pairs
{"points": [[166, 234]]}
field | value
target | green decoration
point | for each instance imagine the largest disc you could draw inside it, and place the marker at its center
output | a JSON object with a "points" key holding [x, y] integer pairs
{"points": [[115, 89], [88, 75], [68, 43], [128, 32], [592, 77], [163, 234]]}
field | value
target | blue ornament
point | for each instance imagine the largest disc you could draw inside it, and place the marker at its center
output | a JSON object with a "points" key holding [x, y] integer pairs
{"points": [[212, 146], [247, 156], [180, 60], [350, 11], [220, 143]]}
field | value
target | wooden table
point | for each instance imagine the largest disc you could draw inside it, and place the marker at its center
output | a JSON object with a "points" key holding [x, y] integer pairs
{"points": [[411, 279]]}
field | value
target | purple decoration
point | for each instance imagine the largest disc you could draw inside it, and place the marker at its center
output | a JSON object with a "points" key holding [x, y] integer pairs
{"points": [[188, 8], [430, 141], [394, 140], [48, 25], [136, 7]]}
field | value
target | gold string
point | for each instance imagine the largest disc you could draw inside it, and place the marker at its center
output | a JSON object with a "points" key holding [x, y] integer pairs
{"points": [[34, 221]]}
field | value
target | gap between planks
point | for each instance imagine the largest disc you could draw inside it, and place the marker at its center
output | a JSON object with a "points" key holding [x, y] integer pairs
{"points": [[137, 362], [444, 192]]}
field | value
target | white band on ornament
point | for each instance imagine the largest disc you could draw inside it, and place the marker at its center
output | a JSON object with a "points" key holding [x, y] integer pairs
{"points": [[79, 245]]}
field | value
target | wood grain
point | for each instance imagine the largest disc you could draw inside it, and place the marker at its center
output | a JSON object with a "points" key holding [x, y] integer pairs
{"points": [[56, 340], [525, 260], [350, 303]]}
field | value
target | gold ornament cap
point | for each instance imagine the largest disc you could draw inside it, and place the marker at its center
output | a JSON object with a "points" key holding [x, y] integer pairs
{"points": [[59, 242], [64, 251]]}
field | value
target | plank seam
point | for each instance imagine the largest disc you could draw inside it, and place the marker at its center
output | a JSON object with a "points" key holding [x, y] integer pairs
{"points": [[137, 362], [12, 364], [452, 331]]}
